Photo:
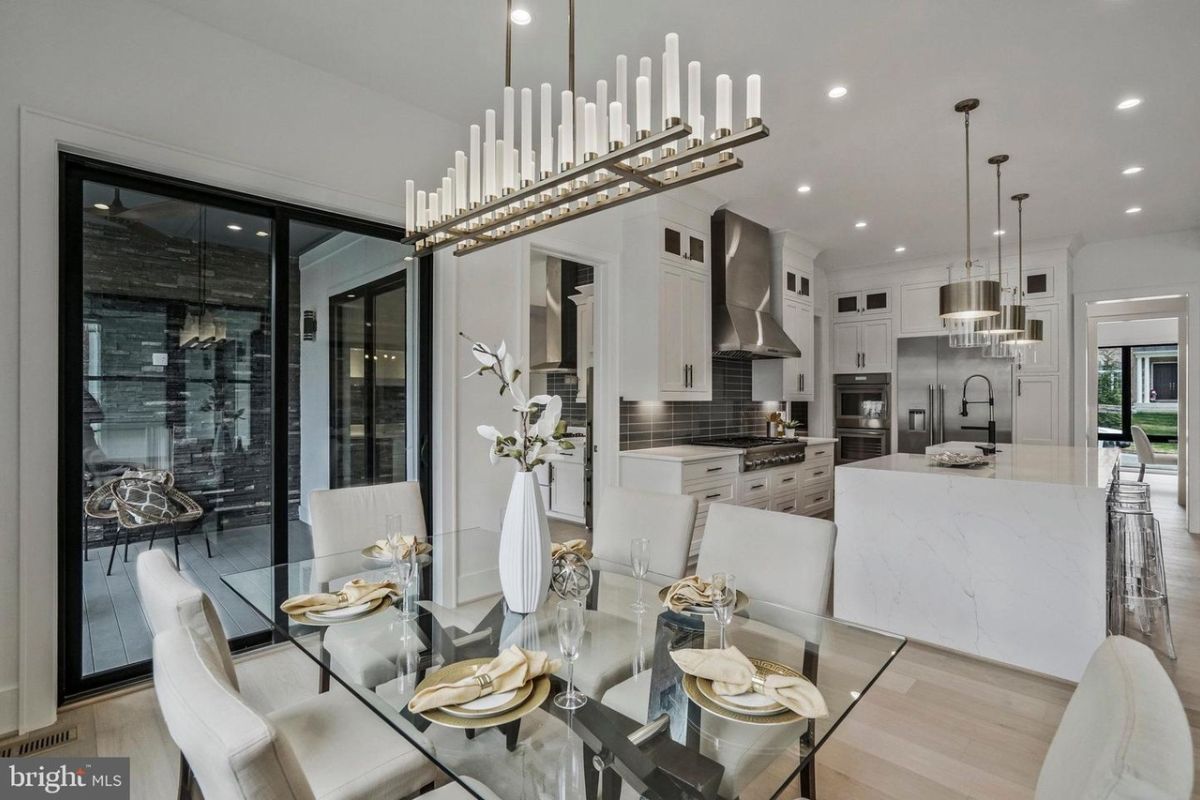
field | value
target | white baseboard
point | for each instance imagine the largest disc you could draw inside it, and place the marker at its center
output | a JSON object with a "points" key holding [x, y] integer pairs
{"points": [[8, 712], [473, 585]]}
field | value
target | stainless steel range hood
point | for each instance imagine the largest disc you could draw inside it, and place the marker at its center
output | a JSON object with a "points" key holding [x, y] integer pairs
{"points": [[742, 324], [551, 315]]}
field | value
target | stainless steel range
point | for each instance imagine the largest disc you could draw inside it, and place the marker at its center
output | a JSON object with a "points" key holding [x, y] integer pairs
{"points": [[762, 452]]}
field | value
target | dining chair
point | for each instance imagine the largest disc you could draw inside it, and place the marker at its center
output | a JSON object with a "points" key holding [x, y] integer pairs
{"points": [[1146, 453], [171, 601], [351, 519], [328, 746], [780, 559], [1124, 734], [627, 514]]}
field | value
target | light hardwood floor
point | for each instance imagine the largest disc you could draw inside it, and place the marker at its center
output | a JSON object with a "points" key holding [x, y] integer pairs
{"points": [[936, 726]]}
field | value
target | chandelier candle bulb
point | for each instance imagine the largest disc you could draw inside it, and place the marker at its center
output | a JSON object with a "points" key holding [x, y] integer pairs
{"points": [[566, 130], [444, 196], [724, 106], [526, 129], [460, 181], [410, 212], [616, 129], [547, 144], [509, 102], [421, 209], [671, 68], [474, 166], [642, 117], [622, 88], [693, 95], [698, 138], [753, 100], [489, 154], [579, 128]]}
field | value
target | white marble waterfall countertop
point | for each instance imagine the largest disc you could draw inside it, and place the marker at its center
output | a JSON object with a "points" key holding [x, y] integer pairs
{"points": [[1088, 467]]}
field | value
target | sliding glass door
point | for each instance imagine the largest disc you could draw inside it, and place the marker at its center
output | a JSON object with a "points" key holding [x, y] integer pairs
{"points": [[1138, 386], [195, 407]]}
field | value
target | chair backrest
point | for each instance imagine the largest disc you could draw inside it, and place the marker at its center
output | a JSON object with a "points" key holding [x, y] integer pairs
{"points": [[353, 518], [171, 601], [1141, 442], [665, 519], [1124, 734], [234, 751], [780, 558]]}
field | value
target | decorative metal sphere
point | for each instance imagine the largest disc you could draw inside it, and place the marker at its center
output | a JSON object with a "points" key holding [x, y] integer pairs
{"points": [[570, 576]]}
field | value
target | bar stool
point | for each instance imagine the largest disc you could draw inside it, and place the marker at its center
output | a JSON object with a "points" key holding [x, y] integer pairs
{"points": [[1138, 580]]}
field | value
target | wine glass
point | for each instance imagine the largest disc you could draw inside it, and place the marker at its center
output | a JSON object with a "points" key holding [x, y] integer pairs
{"points": [[722, 591], [639, 560], [569, 617]]}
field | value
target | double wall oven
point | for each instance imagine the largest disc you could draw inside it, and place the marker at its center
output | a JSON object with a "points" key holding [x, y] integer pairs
{"points": [[862, 415]]}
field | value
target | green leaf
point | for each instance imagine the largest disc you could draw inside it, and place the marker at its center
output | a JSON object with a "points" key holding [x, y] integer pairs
{"points": [[561, 428], [565, 444]]}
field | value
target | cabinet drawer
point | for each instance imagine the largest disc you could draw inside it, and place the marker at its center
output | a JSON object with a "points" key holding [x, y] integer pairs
{"points": [[762, 502], [814, 501], [786, 504], [818, 453], [702, 470], [784, 481], [716, 493], [753, 486], [813, 474]]}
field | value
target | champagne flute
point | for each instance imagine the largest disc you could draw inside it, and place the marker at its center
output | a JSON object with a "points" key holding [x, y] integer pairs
{"points": [[639, 560], [570, 620], [406, 571], [393, 530], [722, 591]]}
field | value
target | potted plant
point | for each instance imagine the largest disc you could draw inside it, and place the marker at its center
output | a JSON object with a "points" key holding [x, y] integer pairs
{"points": [[540, 436]]}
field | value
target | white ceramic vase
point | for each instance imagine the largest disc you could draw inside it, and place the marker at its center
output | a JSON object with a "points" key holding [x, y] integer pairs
{"points": [[525, 546]]}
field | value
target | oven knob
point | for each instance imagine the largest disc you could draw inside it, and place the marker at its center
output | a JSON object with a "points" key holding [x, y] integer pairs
{"points": [[751, 464]]}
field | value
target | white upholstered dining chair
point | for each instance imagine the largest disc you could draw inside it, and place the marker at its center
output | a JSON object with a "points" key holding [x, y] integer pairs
{"points": [[782, 559], [627, 514], [1147, 455], [351, 519]]}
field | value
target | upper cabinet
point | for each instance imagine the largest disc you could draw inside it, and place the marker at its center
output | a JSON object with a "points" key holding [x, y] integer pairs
{"points": [[1039, 284], [584, 328], [864, 346], [792, 305], [666, 305], [920, 309], [868, 302], [1042, 358]]}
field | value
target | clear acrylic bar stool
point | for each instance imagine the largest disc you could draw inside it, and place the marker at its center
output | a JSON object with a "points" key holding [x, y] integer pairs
{"points": [[1138, 581]]}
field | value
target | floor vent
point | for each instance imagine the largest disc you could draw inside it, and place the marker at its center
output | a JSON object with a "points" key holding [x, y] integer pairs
{"points": [[19, 748]]}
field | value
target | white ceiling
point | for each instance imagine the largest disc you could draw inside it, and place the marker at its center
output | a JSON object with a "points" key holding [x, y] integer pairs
{"points": [[1049, 74]]}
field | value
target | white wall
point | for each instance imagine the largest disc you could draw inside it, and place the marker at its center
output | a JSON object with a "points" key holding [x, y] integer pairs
{"points": [[1135, 332], [155, 89]]}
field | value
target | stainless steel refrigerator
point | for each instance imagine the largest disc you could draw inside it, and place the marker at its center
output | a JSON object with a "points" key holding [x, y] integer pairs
{"points": [[929, 390]]}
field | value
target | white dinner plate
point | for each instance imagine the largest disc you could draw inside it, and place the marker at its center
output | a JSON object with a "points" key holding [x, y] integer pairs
{"points": [[339, 613], [752, 703]]}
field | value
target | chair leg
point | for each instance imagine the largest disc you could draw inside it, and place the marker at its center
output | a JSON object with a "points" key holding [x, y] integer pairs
{"points": [[125, 555], [113, 553], [207, 544], [153, 533], [185, 778], [1142, 473]]}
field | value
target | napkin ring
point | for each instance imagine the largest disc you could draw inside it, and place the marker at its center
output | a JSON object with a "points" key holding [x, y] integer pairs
{"points": [[758, 682], [485, 684]]}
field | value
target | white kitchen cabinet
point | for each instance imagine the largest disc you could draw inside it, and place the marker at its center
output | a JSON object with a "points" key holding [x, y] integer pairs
{"points": [[788, 378], [1042, 358], [684, 246], [1036, 415], [685, 351], [585, 350], [920, 309], [566, 490], [864, 302], [864, 346]]}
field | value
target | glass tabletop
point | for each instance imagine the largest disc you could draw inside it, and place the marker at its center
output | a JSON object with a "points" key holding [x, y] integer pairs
{"points": [[623, 668]]}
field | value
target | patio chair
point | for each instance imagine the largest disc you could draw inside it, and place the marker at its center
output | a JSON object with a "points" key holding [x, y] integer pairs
{"points": [[1146, 453]]}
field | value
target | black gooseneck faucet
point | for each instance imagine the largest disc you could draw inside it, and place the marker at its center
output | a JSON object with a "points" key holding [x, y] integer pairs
{"points": [[990, 448]]}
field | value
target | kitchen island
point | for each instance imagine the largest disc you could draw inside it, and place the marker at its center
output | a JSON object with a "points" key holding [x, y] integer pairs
{"points": [[1005, 561]]}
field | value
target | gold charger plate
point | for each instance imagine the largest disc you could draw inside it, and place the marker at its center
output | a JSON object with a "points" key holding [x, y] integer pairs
{"points": [[376, 556], [461, 669], [303, 619], [785, 717], [739, 605]]}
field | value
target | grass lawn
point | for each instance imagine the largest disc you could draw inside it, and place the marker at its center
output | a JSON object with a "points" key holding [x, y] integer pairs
{"points": [[1154, 423]]}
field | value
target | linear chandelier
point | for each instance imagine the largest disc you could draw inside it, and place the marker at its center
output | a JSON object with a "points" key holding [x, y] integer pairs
{"points": [[593, 159]]}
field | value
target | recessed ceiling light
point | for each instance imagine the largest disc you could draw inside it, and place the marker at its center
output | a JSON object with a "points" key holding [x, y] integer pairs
{"points": [[264, 234], [901, 249], [1131, 170], [804, 188], [837, 91], [861, 224], [233, 226], [520, 16], [101, 206], [999, 232], [1128, 103], [1134, 210]]}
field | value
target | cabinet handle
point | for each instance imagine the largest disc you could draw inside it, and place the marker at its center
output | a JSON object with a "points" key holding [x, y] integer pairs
{"points": [[788, 480], [788, 508], [712, 496], [818, 472], [714, 469], [758, 486], [1018, 387]]}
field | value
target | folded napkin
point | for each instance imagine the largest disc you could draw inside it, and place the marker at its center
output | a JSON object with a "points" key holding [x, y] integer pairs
{"points": [[512, 669], [733, 674], [354, 592], [577, 546], [689, 591], [407, 544]]}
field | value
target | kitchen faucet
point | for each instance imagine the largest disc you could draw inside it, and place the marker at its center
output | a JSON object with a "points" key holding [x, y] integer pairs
{"points": [[990, 448]]}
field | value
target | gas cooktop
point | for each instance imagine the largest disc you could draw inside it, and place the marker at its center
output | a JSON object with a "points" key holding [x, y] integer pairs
{"points": [[762, 452]]}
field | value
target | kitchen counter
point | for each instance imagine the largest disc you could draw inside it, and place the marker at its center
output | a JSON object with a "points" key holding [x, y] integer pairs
{"points": [[682, 452], [1006, 562]]}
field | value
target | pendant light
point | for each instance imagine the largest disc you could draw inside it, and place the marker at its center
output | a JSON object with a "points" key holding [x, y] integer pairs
{"points": [[971, 298], [1032, 333], [1011, 318]]}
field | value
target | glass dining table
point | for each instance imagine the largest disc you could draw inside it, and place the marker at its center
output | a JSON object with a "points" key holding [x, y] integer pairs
{"points": [[639, 726]]}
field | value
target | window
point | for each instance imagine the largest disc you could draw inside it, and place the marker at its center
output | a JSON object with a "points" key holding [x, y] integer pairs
{"points": [[1138, 385]]}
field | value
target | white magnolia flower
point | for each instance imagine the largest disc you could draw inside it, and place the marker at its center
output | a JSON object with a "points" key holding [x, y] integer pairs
{"points": [[482, 354], [502, 350], [548, 421], [488, 432]]}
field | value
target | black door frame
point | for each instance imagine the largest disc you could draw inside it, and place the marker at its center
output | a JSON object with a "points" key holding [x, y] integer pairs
{"points": [[73, 171]]}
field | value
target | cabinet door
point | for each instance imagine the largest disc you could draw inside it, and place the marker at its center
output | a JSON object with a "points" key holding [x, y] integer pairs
{"points": [[672, 291], [876, 301], [566, 489], [875, 341], [804, 364], [790, 321], [846, 355], [697, 340], [583, 345], [1036, 410], [1042, 358], [846, 303], [674, 243], [920, 308]]}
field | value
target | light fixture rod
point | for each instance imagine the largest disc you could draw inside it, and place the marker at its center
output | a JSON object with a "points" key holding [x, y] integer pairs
{"points": [[967, 136], [508, 44], [571, 46]]}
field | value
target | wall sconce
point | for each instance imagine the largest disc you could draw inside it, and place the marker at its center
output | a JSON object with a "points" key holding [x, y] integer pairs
{"points": [[309, 325]]}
